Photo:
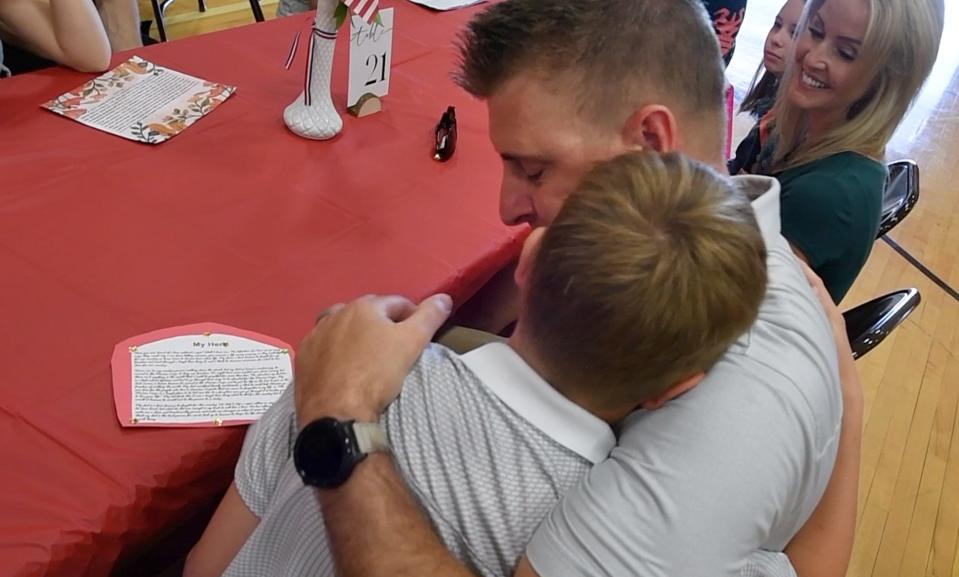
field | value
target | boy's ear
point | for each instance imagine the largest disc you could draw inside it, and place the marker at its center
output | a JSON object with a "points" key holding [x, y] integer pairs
{"points": [[674, 391], [652, 127], [528, 256]]}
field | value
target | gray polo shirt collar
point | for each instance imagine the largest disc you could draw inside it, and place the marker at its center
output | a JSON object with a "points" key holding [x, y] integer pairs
{"points": [[508, 376], [763, 191]]}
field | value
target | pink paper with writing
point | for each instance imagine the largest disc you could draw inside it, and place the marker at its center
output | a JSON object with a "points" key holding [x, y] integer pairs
{"points": [[199, 375]]}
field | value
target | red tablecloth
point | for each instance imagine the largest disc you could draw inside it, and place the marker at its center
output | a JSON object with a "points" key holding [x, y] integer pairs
{"points": [[235, 221]]}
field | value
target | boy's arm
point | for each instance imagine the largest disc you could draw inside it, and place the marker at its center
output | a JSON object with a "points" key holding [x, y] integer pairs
{"points": [[266, 450], [231, 525], [68, 32]]}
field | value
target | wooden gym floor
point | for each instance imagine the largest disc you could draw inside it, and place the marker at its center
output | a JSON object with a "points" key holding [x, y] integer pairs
{"points": [[909, 490]]}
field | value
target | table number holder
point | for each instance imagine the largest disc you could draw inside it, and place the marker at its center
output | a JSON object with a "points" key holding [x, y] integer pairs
{"points": [[312, 115]]}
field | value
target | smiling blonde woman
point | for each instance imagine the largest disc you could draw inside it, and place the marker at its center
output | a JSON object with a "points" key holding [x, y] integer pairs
{"points": [[857, 66]]}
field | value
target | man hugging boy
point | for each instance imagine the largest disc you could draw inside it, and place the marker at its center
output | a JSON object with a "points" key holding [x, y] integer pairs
{"points": [[653, 268]]}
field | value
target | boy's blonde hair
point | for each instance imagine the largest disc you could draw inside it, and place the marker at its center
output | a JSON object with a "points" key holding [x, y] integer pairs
{"points": [[653, 267], [900, 47]]}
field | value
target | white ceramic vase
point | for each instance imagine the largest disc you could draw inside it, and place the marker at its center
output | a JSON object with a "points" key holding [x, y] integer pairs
{"points": [[312, 115]]}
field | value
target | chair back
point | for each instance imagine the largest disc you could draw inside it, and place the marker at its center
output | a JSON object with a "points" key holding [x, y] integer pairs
{"points": [[871, 322], [900, 194]]}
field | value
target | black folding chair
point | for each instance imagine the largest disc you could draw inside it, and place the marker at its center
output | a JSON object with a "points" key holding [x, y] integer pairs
{"points": [[160, 6], [900, 195], [871, 322]]}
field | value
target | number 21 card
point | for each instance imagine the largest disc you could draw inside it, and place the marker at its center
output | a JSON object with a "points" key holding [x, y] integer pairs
{"points": [[371, 55]]}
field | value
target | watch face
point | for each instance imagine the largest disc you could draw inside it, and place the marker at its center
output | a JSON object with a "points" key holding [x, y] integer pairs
{"points": [[325, 453]]}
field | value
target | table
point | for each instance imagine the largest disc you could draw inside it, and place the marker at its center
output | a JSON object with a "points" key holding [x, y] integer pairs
{"points": [[235, 221]]}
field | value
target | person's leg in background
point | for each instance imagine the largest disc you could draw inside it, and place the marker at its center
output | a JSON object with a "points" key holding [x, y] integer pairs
{"points": [[288, 7], [121, 18]]}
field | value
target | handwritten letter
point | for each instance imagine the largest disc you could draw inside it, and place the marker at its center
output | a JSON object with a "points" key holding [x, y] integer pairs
{"points": [[211, 378]]}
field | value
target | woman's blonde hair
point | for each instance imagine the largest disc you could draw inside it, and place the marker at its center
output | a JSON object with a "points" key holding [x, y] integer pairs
{"points": [[900, 47]]}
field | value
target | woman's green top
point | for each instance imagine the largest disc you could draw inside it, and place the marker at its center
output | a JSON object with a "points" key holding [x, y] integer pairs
{"points": [[830, 212]]}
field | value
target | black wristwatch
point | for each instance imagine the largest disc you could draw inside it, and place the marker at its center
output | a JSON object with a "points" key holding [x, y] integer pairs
{"points": [[327, 450]]}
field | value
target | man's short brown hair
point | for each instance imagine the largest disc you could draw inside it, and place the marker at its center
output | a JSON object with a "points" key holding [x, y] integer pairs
{"points": [[653, 267], [607, 54]]}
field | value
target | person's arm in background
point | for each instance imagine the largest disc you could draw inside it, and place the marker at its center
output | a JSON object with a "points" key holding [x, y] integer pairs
{"points": [[68, 32], [121, 18]]}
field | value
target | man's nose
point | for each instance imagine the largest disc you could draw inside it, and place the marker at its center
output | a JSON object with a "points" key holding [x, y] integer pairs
{"points": [[515, 205]]}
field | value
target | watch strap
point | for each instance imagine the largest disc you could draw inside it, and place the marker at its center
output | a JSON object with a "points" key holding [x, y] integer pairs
{"points": [[370, 437]]}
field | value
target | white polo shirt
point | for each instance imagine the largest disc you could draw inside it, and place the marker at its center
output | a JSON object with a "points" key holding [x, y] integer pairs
{"points": [[736, 464]]}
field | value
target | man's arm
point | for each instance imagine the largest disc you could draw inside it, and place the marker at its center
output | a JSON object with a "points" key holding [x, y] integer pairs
{"points": [[376, 528], [823, 546]]}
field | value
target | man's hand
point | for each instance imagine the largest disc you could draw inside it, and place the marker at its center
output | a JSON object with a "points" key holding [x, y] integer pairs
{"points": [[352, 364]]}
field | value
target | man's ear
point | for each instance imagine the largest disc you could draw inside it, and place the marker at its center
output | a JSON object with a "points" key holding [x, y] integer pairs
{"points": [[528, 256], [674, 391], [652, 127]]}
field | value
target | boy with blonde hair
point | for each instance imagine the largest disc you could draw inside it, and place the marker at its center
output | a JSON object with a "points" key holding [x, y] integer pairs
{"points": [[651, 270]]}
